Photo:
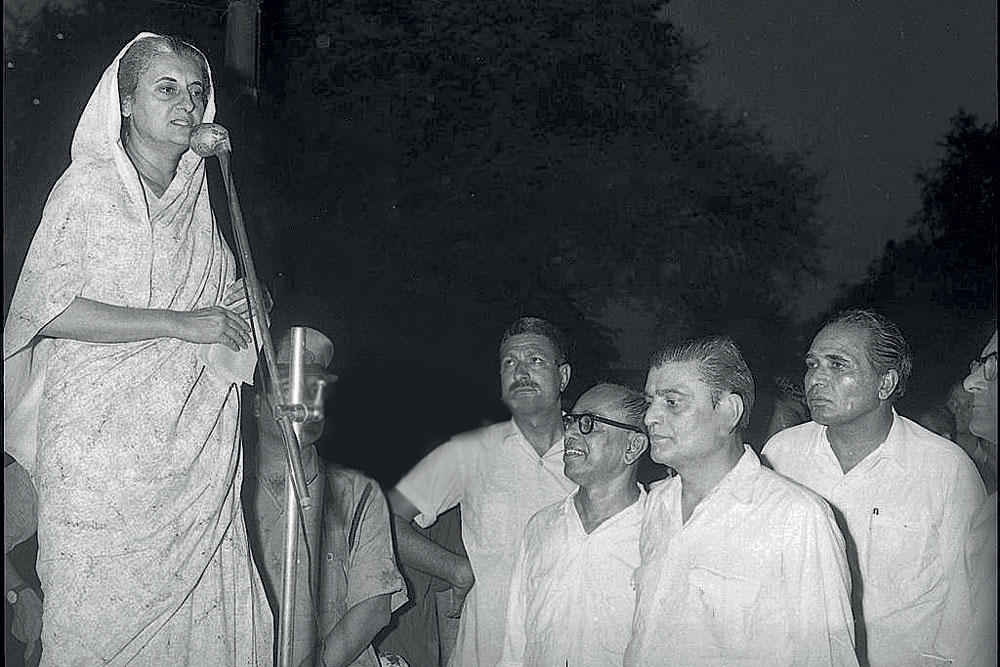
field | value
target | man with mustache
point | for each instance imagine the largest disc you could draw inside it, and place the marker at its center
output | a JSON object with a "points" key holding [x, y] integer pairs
{"points": [[740, 566], [903, 495], [500, 475], [969, 632], [571, 595]]}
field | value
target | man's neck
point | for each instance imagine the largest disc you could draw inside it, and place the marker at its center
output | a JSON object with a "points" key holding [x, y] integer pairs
{"points": [[853, 441], [598, 503], [699, 477], [541, 430]]}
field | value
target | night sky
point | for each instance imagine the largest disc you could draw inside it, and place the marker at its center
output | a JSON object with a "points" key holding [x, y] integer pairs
{"points": [[867, 87]]}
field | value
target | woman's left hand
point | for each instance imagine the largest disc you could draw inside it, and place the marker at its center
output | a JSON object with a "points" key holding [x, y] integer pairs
{"points": [[235, 299]]}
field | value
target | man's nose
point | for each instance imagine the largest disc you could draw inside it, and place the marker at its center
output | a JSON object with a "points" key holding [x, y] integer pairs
{"points": [[521, 370], [651, 418]]}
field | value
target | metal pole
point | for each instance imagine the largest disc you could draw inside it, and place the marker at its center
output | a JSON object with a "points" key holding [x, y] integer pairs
{"points": [[286, 622]]}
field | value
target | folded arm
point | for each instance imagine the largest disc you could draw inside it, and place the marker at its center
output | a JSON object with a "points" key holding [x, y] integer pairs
{"points": [[355, 631], [98, 322], [420, 553]]}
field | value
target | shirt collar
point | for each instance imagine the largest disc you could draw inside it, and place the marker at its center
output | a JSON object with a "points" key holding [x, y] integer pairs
{"points": [[571, 515], [515, 432], [737, 481], [892, 449]]}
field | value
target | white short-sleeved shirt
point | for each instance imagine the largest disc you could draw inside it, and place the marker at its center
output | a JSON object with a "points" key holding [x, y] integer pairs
{"points": [[758, 575], [571, 594], [905, 508], [500, 481]]}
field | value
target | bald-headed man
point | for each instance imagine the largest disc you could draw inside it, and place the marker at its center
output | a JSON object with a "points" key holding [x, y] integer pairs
{"points": [[571, 597]]}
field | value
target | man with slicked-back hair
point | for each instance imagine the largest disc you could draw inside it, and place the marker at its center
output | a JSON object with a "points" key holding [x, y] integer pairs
{"points": [[902, 494], [740, 566]]}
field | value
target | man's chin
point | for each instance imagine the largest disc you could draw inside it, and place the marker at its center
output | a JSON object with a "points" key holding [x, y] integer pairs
{"points": [[527, 404]]}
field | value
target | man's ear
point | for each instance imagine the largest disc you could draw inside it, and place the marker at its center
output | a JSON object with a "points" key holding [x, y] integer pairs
{"points": [[635, 445], [890, 380], [565, 371], [733, 404]]}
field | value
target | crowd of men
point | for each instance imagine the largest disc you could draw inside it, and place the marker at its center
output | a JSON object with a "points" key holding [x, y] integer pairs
{"points": [[856, 538]]}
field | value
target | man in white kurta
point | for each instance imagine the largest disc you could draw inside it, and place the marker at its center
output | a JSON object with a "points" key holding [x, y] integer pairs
{"points": [[904, 501], [740, 566], [756, 576], [500, 475], [571, 594]]}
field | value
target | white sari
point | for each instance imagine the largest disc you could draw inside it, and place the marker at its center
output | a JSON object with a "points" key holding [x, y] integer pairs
{"points": [[134, 447]]}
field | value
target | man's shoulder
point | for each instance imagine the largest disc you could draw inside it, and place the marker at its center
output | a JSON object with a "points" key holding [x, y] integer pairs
{"points": [[921, 444], [485, 434], [482, 439], [793, 438], [785, 493], [340, 478]]}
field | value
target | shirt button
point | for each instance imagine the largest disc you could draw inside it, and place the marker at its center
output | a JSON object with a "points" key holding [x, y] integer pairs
{"points": [[541, 462], [329, 557]]}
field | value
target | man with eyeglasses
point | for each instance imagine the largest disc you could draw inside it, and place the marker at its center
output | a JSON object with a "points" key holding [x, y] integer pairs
{"points": [[739, 565], [903, 494], [347, 580], [969, 631], [500, 475], [571, 597]]}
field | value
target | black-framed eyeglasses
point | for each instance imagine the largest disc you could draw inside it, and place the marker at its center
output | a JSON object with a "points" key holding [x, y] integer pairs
{"points": [[587, 419], [988, 363]]}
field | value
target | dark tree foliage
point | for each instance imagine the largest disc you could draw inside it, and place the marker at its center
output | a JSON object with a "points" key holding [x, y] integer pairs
{"points": [[482, 158], [940, 284]]}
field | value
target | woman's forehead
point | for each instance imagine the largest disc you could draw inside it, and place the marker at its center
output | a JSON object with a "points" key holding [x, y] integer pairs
{"points": [[169, 64]]}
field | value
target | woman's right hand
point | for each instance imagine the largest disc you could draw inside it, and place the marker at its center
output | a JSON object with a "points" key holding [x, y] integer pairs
{"points": [[216, 324]]}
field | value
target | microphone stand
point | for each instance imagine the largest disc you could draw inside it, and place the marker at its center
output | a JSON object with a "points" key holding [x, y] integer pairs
{"points": [[285, 413]]}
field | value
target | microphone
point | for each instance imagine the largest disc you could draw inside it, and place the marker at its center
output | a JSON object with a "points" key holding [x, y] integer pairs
{"points": [[208, 139]]}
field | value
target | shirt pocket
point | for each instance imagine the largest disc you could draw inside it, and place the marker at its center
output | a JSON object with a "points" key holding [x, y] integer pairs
{"points": [[726, 605], [903, 554], [332, 590]]}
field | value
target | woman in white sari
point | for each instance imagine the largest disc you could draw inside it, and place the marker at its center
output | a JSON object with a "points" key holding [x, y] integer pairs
{"points": [[132, 439]]}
